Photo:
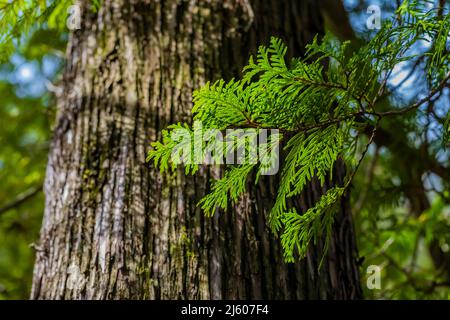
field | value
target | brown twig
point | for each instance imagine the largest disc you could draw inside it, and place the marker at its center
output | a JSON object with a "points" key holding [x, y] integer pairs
{"points": [[22, 198]]}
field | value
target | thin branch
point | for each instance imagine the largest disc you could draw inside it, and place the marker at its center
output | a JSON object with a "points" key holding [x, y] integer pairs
{"points": [[363, 155], [21, 199], [370, 175], [418, 103]]}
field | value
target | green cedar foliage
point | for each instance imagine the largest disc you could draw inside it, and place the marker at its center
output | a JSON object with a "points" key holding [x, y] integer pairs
{"points": [[20, 17], [321, 103]]}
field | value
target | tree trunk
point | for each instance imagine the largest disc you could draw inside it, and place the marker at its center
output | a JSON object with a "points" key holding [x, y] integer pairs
{"points": [[114, 228]]}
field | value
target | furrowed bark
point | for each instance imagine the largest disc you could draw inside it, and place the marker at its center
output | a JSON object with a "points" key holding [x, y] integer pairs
{"points": [[114, 228]]}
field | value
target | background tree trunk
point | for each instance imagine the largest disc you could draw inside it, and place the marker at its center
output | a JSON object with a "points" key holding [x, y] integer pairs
{"points": [[114, 228]]}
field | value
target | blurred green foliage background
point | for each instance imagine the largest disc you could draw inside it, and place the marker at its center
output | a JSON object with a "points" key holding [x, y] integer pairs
{"points": [[26, 112]]}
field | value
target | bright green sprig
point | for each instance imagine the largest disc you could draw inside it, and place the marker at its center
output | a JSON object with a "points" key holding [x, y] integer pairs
{"points": [[301, 229]]}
